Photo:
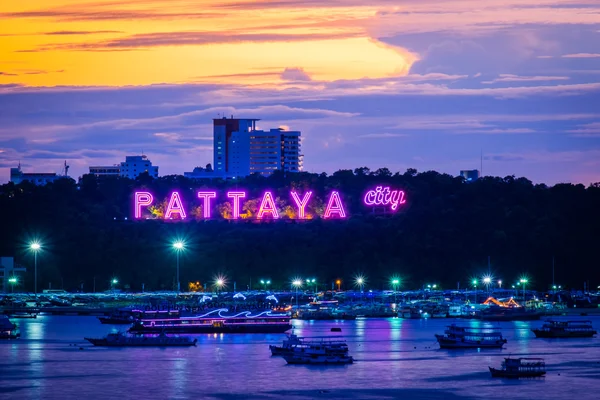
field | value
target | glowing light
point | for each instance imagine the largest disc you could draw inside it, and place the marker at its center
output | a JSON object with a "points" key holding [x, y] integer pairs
{"points": [[301, 203], [297, 282], [12, 280], [35, 246], [175, 206], [142, 199], [115, 281], [236, 196], [178, 245], [267, 206], [206, 196], [383, 196], [334, 206], [487, 280]]}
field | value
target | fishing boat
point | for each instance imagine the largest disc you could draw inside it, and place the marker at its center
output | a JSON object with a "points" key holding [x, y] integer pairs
{"points": [[520, 368], [124, 340], [335, 345], [565, 329], [319, 353], [8, 330], [461, 337], [216, 321]]}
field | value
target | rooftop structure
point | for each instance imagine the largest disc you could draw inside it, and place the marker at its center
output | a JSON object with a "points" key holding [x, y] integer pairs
{"points": [[38, 178], [131, 168]]}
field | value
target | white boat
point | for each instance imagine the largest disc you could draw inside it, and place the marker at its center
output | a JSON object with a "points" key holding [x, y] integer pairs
{"points": [[466, 337], [318, 354], [124, 340], [334, 344]]}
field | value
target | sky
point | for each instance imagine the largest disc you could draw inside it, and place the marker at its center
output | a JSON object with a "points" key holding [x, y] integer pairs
{"points": [[425, 84]]}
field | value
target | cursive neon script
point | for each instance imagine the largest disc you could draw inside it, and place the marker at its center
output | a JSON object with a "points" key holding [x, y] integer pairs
{"points": [[384, 196]]}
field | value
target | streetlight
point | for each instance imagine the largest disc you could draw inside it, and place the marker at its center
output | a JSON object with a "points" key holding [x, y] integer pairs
{"points": [[339, 283], [395, 283], [297, 283], [500, 284], [35, 247], [524, 282], [312, 281], [487, 280], [360, 282], [475, 288], [13, 281], [219, 283], [265, 283], [113, 282], [178, 246]]}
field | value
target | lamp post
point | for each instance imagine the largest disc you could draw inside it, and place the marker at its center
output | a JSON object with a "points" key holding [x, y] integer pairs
{"points": [[13, 281], [297, 283], [312, 281], [523, 282], [220, 282], [487, 280], [395, 283], [360, 281], [499, 284], [113, 282], [265, 283], [35, 247], [178, 246], [339, 285], [475, 289]]}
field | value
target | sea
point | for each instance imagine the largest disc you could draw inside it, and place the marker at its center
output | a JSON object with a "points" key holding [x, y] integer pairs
{"points": [[394, 359]]}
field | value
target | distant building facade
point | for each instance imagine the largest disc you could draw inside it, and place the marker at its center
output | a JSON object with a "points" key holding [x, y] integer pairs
{"points": [[38, 178], [240, 150], [470, 175], [131, 168], [7, 270]]}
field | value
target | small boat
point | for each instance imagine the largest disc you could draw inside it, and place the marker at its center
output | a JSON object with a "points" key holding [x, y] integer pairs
{"points": [[334, 345], [22, 314], [8, 330], [565, 329], [520, 368], [460, 337], [317, 354], [124, 340]]}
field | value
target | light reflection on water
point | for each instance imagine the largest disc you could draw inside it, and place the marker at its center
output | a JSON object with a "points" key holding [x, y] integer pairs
{"points": [[395, 358]]}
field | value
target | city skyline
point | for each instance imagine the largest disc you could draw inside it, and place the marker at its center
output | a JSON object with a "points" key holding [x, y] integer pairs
{"points": [[429, 85]]}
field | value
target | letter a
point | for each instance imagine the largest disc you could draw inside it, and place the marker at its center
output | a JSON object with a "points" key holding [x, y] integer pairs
{"points": [[175, 206], [334, 206], [267, 206]]}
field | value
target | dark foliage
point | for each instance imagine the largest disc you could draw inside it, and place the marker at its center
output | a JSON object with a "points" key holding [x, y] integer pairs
{"points": [[443, 235]]}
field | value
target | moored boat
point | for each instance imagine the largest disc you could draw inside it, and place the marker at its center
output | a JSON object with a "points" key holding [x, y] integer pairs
{"points": [[520, 368], [8, 330], [495, 313], [335, 345], [461, 337], [565, 329], [216, 322], [124, 340]]}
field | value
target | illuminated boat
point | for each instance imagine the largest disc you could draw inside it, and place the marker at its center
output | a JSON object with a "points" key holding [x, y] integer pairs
{"points": [[565, 329], [318, 353], [216, 322], [459, 337], [520, 368], [335, 345], [8, 330], [123, 340]]}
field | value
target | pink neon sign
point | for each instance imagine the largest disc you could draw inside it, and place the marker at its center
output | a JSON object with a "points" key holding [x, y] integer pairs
{"points": [[301, 204], [206, 196], [175, 206], [267, 206], [384, 196], [334, 206], [236, 196], [142, 199]]}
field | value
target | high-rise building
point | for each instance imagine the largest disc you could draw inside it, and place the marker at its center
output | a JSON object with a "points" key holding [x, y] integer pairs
{"points": [[131, 168], [240, 149]]}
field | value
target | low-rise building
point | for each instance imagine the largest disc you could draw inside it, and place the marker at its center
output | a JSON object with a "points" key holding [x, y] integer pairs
{"points": [[38, 178], [131, 168]]}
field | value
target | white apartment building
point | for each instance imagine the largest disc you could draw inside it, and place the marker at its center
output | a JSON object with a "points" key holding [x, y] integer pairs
{"points": [[240, 149], [131, 168]]}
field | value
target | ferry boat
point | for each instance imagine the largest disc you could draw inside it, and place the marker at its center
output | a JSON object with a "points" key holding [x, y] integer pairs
{"points": [[520, 368], [317, 354], [123, 340], [8, 330], [215, 322], [565, 329], [459, 337], [334, 344]]}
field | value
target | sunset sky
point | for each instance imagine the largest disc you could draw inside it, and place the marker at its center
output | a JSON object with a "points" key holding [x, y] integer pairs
{"points": [[425, 84]]}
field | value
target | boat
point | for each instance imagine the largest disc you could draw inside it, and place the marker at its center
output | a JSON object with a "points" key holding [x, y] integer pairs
{"points": [[124, 340], [520, 368], [565, 329], [8, 330], [495, 313], [216, 322], [460, 337], [22, 314], [318, 353], [335, 345]]}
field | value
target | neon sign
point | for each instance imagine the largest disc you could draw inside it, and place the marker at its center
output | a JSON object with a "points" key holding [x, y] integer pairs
{"points": [[384, 196], [300, 206]]}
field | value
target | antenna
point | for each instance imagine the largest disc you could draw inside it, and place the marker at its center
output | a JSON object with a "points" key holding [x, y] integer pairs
{"points": [[481, 168]]}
